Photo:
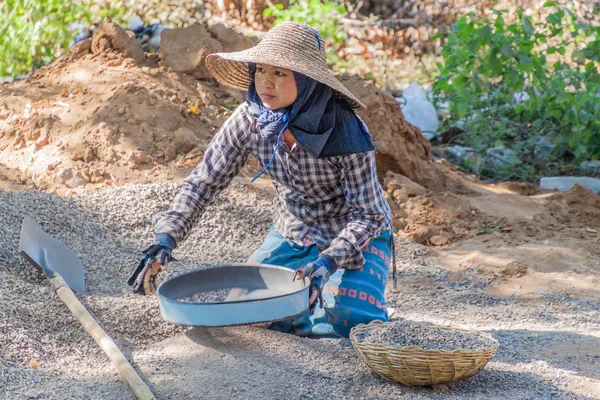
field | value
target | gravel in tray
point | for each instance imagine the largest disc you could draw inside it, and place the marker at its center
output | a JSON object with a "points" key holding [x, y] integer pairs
{"points": [[212, 296], [230, 294], [420, 334]]}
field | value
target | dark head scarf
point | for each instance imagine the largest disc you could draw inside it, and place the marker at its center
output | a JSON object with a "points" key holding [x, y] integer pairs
{"points": [[323, 124]]}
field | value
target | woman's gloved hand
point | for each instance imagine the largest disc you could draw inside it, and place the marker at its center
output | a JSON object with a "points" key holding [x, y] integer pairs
{"points": [[318, 272], [156, 258]]}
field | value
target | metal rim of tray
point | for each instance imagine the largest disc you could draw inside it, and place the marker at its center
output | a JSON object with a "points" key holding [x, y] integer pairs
{"points": [[293, 302]]}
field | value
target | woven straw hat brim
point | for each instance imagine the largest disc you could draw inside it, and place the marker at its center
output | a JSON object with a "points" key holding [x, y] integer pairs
{"points": [[231, 69]]}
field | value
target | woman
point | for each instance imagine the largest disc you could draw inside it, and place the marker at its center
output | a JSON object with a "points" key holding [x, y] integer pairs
{"points": [[331, 221]]}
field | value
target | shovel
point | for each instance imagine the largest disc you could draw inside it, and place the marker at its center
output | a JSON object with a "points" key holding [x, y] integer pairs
{"points": [[64, 270]]}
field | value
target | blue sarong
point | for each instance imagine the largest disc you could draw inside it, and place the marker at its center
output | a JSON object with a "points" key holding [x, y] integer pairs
{"points": [[351, 296]]}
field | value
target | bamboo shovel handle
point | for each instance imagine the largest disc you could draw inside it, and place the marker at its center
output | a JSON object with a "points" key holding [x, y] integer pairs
{"points": [[105, 342]]}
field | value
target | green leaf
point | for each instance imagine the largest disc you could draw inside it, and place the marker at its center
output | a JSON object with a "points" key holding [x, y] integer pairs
{"points": [[485, 33], [554, 19], [495, 65], [549, 4], [437, 36], [507, 50], [584, 117], [528, 26], [525, 60], [499, 24]]}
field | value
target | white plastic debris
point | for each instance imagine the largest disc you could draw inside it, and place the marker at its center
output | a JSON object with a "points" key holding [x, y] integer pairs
{"points": [[135, 22], [419, 111]]}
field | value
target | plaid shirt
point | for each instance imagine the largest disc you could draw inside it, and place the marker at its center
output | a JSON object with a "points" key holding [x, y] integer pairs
{"points": [[335, 202]]}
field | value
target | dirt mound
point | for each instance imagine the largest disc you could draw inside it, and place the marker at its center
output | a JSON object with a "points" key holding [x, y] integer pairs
{"points": [[438, 218], [580, 202], [106, 113], [103, 114], [400, 145]]}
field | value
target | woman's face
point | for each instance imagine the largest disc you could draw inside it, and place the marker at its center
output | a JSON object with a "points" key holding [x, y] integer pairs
{"points": [[275, 86]]}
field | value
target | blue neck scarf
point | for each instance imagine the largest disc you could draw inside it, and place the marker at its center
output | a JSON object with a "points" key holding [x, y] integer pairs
{"points": [[324, 125]]}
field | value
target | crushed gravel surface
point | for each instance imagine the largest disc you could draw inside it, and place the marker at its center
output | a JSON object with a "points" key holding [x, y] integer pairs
{"points": [[413, 333], [549, 345], [213, 296]]}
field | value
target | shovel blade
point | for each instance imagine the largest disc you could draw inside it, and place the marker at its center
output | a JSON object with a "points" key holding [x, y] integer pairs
{"points": [[50, 255]]}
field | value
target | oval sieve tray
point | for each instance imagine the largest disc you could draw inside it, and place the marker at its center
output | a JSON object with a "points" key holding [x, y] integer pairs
{"points": [[272, 295]]}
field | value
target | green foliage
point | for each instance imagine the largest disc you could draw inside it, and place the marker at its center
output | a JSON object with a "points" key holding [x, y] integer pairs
{"points": [[36, 30], [322, 16], [554, 61]]}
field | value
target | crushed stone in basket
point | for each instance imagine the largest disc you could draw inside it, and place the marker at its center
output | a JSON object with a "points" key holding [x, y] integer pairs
{"points": [[414, 333]]}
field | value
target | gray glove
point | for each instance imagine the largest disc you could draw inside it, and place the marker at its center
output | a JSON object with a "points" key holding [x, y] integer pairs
{"points": [[143, 277], [318, 272]]}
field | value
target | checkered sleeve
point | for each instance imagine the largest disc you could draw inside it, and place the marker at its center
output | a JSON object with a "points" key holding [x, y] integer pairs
{"points": [[224, 158], [370, 213]]}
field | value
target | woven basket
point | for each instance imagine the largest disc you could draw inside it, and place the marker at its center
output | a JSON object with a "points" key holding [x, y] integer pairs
{"points": [[414, 366]]}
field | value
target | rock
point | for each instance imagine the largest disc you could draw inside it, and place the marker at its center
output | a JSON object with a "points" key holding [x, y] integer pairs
{"points": [[170, 153], [399, 223], [501, 156], [543, 148], [185, 49], [107, 154], [464, 155], [111, 37], [85, 153], [32, 394], [440, 240], [422, 234], [402, 188], [42, 140], [441, 388], [567, 182], [397, 211], [139, 157], [419, 111], [593, 166], [71, 177], [230, 39], [184, 140]]}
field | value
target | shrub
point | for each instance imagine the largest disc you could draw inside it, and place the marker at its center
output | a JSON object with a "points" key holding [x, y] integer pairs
{"points": [[36, 30], [521, 85]]}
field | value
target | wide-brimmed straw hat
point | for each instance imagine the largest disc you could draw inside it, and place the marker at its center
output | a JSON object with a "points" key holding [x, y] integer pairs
{"points": [[289, 45]]}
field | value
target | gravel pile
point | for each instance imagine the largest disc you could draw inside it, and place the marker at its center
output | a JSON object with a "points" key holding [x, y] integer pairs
{"points": [[107, 230], [549, 349], [414, 333]]}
